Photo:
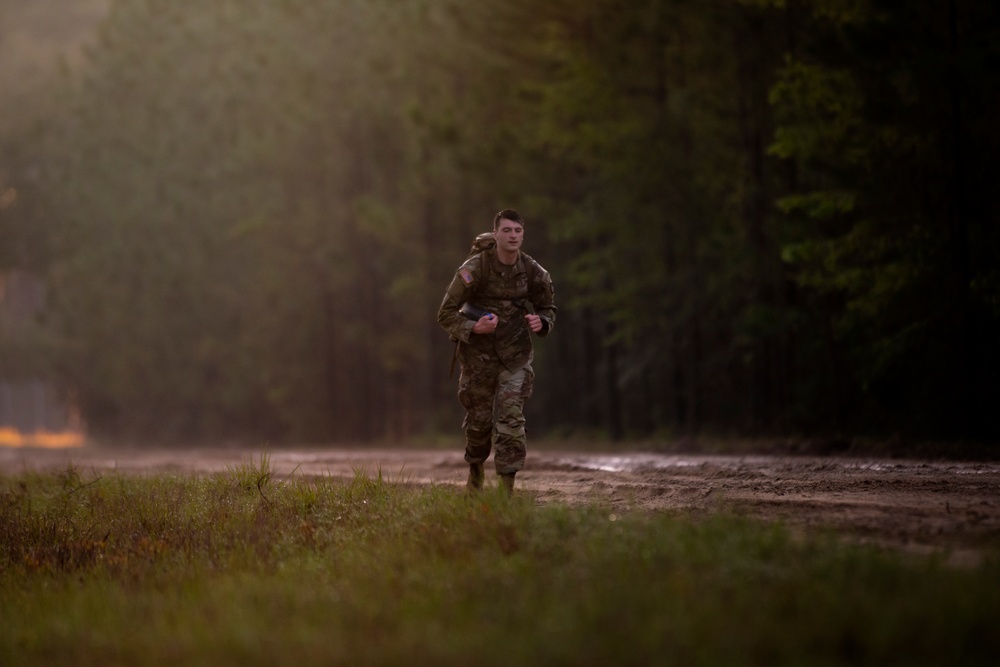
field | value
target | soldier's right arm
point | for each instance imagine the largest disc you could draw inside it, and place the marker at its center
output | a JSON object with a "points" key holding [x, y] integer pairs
{"points": [[461, 288]]}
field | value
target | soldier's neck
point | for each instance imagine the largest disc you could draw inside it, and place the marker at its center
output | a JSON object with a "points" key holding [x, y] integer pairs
{"points": [[507, 257]]}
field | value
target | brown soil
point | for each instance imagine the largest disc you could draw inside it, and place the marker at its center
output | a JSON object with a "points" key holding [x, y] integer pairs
{"points": [[920, 506]]}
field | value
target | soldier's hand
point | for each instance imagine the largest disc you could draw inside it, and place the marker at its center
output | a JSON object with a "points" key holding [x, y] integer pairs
{"points": [[485, 324], [534, 322]]}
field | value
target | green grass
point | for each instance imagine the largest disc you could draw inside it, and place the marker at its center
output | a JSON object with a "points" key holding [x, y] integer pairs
{"points": [[243, 569]]}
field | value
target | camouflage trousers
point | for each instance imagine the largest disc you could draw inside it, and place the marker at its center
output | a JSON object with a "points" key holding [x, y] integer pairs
{"points": [[493, 398]]}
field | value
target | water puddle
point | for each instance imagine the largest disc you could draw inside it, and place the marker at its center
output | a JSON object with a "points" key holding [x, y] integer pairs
{"points": [[635, 462]]}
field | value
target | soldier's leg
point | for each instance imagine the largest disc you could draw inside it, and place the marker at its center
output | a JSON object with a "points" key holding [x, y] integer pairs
{"points": [[477, 394], [511, 442]]}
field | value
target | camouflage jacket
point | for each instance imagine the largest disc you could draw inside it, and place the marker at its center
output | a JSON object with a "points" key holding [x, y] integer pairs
{"points": [[505, 291]]}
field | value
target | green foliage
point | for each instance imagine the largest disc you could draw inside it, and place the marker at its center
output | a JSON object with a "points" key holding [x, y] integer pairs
{"points": [[761, 216], [880, 214], [368, 571], [819, 116], [234, 211]]}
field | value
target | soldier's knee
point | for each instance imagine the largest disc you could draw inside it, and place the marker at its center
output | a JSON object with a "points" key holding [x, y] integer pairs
{"points": [[512, 429]]}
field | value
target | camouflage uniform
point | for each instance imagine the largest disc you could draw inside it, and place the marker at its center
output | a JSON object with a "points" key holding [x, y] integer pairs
{"points": [[496, 368]]}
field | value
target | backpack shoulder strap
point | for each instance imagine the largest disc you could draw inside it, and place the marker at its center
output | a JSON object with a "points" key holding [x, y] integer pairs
{"points": [[485, 259], [483, 245], [530, 267]]}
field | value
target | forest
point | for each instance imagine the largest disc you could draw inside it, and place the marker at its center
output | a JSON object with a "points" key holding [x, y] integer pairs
{"points": [[763, 218]]}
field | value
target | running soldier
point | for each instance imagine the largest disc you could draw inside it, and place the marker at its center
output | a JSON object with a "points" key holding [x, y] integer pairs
{"points": [[497, 299]]}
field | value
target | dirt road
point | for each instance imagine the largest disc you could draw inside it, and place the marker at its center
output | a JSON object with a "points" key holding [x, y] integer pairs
{"points": [[920, 506]]}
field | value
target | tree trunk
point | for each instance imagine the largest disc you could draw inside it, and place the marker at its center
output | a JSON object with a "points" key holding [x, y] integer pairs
{"points": [[959, 231]]}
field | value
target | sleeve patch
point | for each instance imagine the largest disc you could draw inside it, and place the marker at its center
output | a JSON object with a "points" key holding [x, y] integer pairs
{"points": [[466, 276]]}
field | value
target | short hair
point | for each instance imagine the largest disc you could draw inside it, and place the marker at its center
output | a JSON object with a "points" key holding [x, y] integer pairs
{"points": [[507, 214]]}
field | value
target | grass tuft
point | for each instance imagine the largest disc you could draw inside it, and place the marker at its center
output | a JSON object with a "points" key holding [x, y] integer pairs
{"points": [[251, 476]]}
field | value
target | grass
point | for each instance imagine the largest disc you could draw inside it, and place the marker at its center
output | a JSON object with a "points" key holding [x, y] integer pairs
{"points": [[243, 569]]}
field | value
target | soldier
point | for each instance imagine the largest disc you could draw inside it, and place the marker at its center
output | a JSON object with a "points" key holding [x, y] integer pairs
{"points": [[514, 298]]}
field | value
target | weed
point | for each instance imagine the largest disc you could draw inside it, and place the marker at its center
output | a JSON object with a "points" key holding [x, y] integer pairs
{"points": [[251, 476]]}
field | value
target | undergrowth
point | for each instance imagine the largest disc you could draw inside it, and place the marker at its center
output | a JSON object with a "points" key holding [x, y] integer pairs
{"points": [[243, 568]]}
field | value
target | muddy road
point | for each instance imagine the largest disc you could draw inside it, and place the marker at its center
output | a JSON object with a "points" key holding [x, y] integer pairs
{"points": [[918, 506]]}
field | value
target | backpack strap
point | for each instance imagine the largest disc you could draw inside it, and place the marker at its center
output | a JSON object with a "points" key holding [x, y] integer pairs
{"points": [[529, 268], [483, 245]]}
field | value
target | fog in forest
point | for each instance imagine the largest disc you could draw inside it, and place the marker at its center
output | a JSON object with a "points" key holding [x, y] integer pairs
{"points": [[234, 222]]}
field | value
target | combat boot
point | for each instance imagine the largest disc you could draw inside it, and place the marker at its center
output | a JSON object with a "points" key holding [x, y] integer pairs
{"points": [[507, 482], [476, 476]]}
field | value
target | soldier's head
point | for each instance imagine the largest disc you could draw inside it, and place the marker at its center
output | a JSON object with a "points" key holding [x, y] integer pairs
{"points": [[507, 214], [508, 228]]}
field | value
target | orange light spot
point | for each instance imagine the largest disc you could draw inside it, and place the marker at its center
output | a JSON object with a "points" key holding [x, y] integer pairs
{"points": [[11, 437]]}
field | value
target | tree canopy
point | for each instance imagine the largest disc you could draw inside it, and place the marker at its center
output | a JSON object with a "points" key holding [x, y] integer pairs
{"points": [[763, 217]]}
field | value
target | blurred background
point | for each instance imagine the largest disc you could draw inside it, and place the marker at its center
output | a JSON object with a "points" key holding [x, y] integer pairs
{"points": [[234, 220]]}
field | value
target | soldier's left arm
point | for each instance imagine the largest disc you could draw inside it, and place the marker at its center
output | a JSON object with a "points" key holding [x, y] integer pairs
{"points": [[542, 296]]}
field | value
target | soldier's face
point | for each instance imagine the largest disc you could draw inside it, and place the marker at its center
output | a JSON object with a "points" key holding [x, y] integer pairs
{"points": [[509, 235]]}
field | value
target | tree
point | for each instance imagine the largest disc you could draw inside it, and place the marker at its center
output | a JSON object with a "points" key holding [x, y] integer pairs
{"points": [[882, 109], [223, 179]]}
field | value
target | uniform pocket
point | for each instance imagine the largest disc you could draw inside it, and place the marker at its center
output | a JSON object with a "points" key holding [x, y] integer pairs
{"points": [[528, 386]]}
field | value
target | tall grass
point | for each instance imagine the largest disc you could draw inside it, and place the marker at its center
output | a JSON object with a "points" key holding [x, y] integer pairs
{"points": [[240, 568]]}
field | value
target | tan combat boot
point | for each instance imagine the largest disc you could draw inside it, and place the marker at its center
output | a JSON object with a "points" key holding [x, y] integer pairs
{"points": [[507, 482], [476, 476]]}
